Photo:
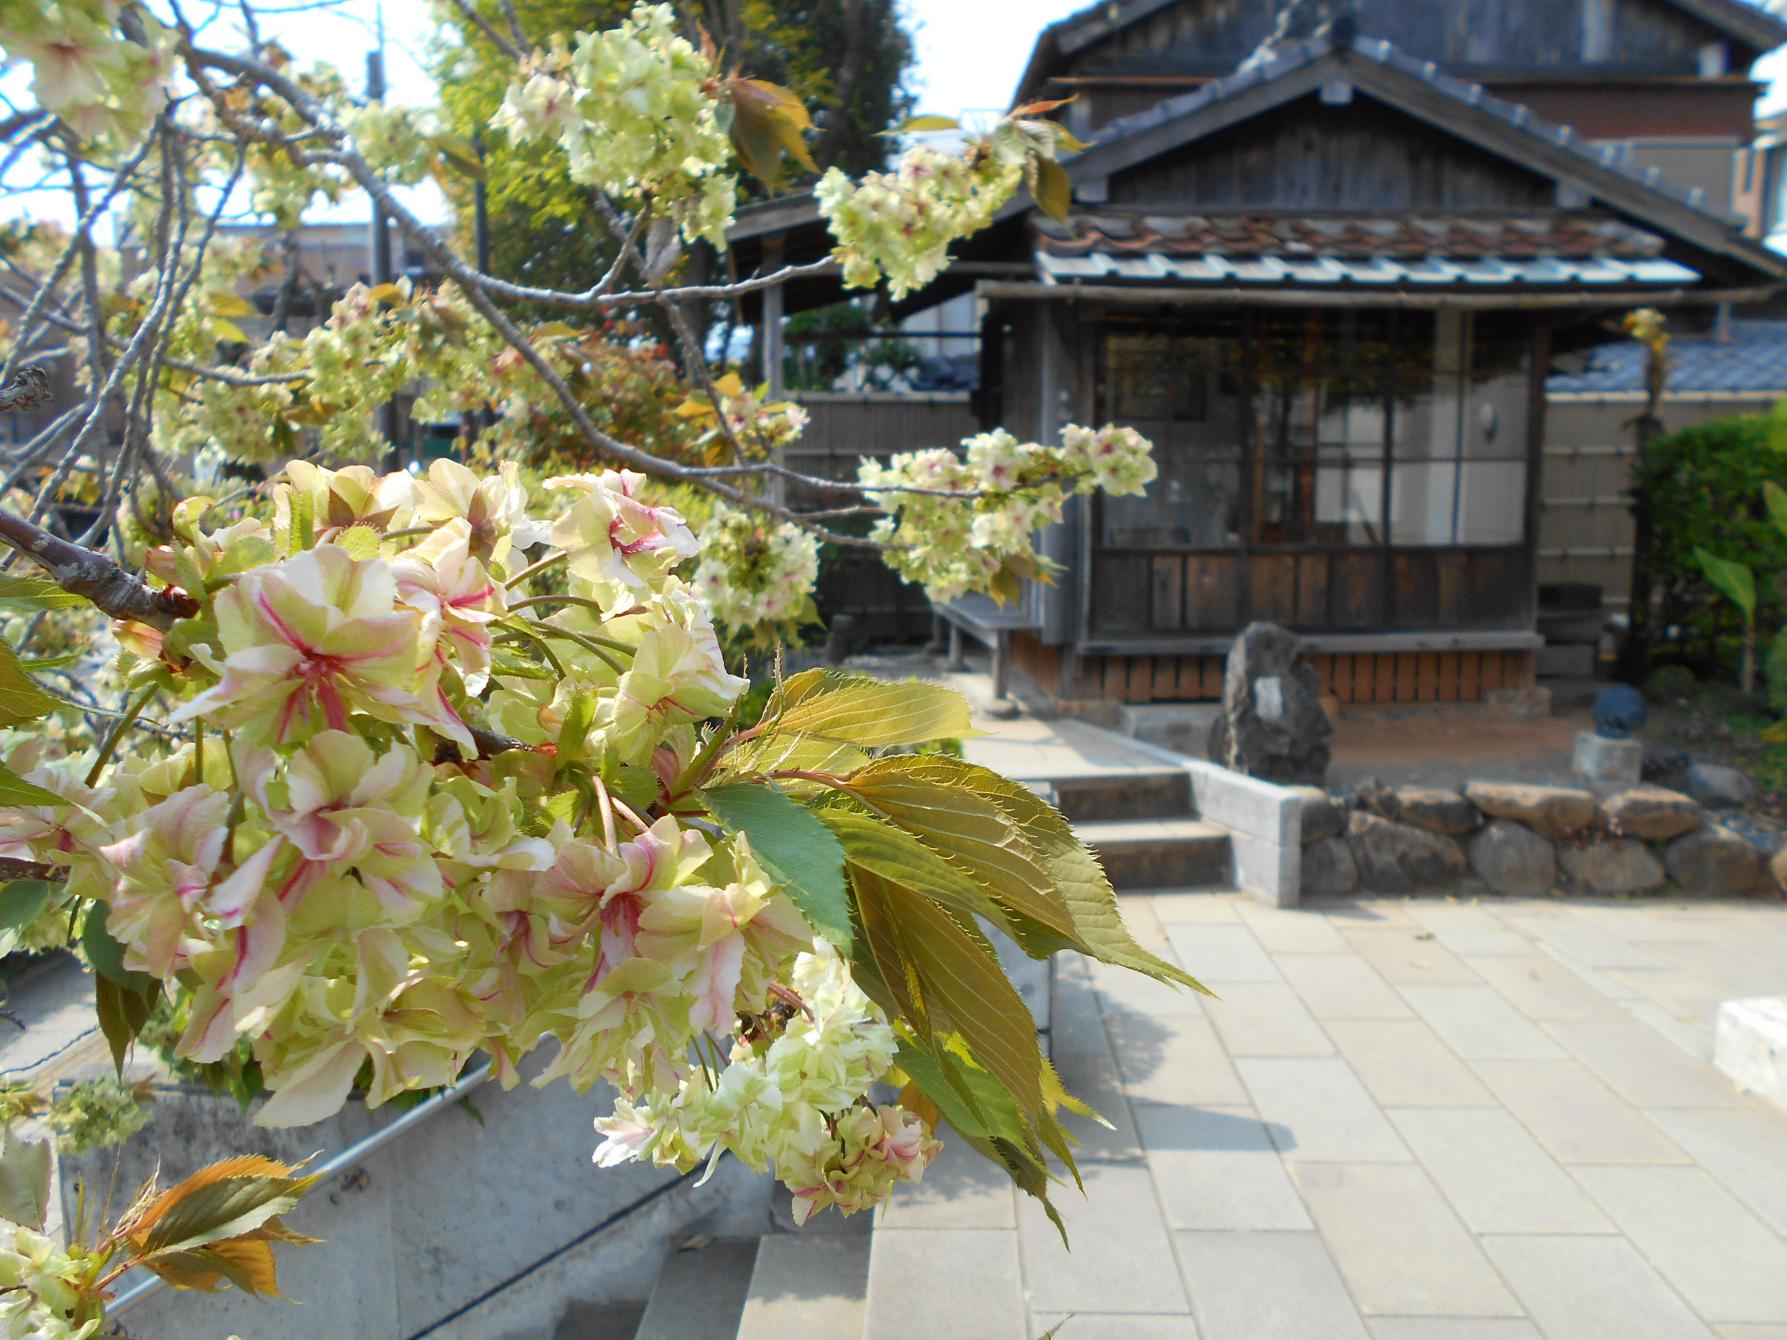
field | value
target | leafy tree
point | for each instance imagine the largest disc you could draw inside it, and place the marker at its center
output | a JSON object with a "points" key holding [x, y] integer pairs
{"points": [[540, 220]]}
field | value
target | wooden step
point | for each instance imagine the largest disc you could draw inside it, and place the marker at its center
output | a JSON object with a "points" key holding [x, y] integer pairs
{"points": [[1161, 853], [1153, 794]]}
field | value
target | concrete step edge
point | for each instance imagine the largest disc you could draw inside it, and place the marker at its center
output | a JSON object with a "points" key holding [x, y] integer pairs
{"points": [[701, 1292]]}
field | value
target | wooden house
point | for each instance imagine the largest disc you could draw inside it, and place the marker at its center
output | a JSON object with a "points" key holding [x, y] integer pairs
{"points": [[1328, 284]]}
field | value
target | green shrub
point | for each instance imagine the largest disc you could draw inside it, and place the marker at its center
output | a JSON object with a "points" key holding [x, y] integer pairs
{"points": [[1671, 684], [1703, 489]]}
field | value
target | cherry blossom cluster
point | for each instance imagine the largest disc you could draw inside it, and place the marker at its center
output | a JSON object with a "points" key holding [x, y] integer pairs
{"points": [[46, 1291], [792, 1100], [756, 576], [335, 873], [98, 83], [635, 110], [899, 224], [967, 521]]}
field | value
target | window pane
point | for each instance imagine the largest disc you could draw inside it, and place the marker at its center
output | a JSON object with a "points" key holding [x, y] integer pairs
{"points": [[1349, 505], [1491, 502], [1181, 387], [1194, 503], [1421, 498]]}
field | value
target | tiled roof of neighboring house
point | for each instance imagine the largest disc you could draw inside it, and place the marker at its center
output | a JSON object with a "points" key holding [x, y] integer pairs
{"points": [[1422, 250], [1753, 360], [1256, 232]]}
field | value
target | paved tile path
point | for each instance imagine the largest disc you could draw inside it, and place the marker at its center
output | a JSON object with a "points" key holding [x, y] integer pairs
{"points": [[1403, 1120]]}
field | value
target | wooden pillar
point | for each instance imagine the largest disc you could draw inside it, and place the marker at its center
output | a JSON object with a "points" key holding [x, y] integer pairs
{"points": [[770, 341]]}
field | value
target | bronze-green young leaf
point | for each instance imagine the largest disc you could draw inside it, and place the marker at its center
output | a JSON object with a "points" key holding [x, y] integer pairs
{"points": [[922, 794], [869, 713]]}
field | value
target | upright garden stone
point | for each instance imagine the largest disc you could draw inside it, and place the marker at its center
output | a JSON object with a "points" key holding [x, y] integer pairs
{"points": [[1400, 858], [1556, 811], [1619, 866], [1715, 862], [1652, 813], [1272, 711], [1510, 858]]}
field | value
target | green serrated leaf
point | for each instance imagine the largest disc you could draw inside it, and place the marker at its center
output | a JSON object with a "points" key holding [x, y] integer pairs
{"points": [[24, 1180], [20, 697], [1053, 189], [1091, 901], [21, 591], [106, 955], [923, 795], [122, 1010], [868, 713], [15, 790], [921, 125], [638, 786], [23, 901], [795, 848]]}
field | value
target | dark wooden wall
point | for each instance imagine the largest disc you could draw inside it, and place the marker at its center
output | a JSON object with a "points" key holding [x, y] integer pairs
{"points": [[1364, 590], [1305, 155], [1352, 677]]}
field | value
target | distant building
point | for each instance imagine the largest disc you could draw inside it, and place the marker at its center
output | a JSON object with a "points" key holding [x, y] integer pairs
{"points": [[1330, 283]]}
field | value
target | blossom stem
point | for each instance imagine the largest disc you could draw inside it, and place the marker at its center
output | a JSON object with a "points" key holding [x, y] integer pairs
{"points": [[550, 561], [605, 805], [110, 747]]}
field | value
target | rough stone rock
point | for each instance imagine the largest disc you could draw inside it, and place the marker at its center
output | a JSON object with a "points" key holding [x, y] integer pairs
{"points": [[1328, 869], [1271, 706], [1511, 858], [1436, 808], [1777, 867], [1719, 787], [1652, 813], [1556, 811], [1620, 866], [1399, 858], [1666, 767], [1321, 816], [1714, 862]]}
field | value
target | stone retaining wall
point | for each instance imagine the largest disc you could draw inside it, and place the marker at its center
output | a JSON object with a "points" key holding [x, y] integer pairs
{"points": [[1511, 838]]}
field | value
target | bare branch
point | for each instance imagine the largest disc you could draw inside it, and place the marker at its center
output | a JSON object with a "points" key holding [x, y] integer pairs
{"points": [[86, 573], [29, 389]]}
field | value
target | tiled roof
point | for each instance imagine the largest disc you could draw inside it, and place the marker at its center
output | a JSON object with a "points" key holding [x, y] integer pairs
{"points": [[1372, 251], [1753, 360], [1259, 233]]}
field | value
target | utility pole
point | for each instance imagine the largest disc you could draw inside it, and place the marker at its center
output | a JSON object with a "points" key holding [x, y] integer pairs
{"points": [[380, 240]]}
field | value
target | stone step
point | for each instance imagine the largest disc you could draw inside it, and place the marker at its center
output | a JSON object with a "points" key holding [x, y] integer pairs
{"points": [[1151, 794], [1161, 853], [599, 1321], [701, 1292], [812, 1282]]}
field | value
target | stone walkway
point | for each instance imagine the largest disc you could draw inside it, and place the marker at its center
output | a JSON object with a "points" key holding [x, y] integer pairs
{"points": [[1403, 1119]]}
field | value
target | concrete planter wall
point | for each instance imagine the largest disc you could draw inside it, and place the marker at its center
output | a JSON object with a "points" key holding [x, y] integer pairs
{"points": [[1511, 838], [456, 1228]]}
